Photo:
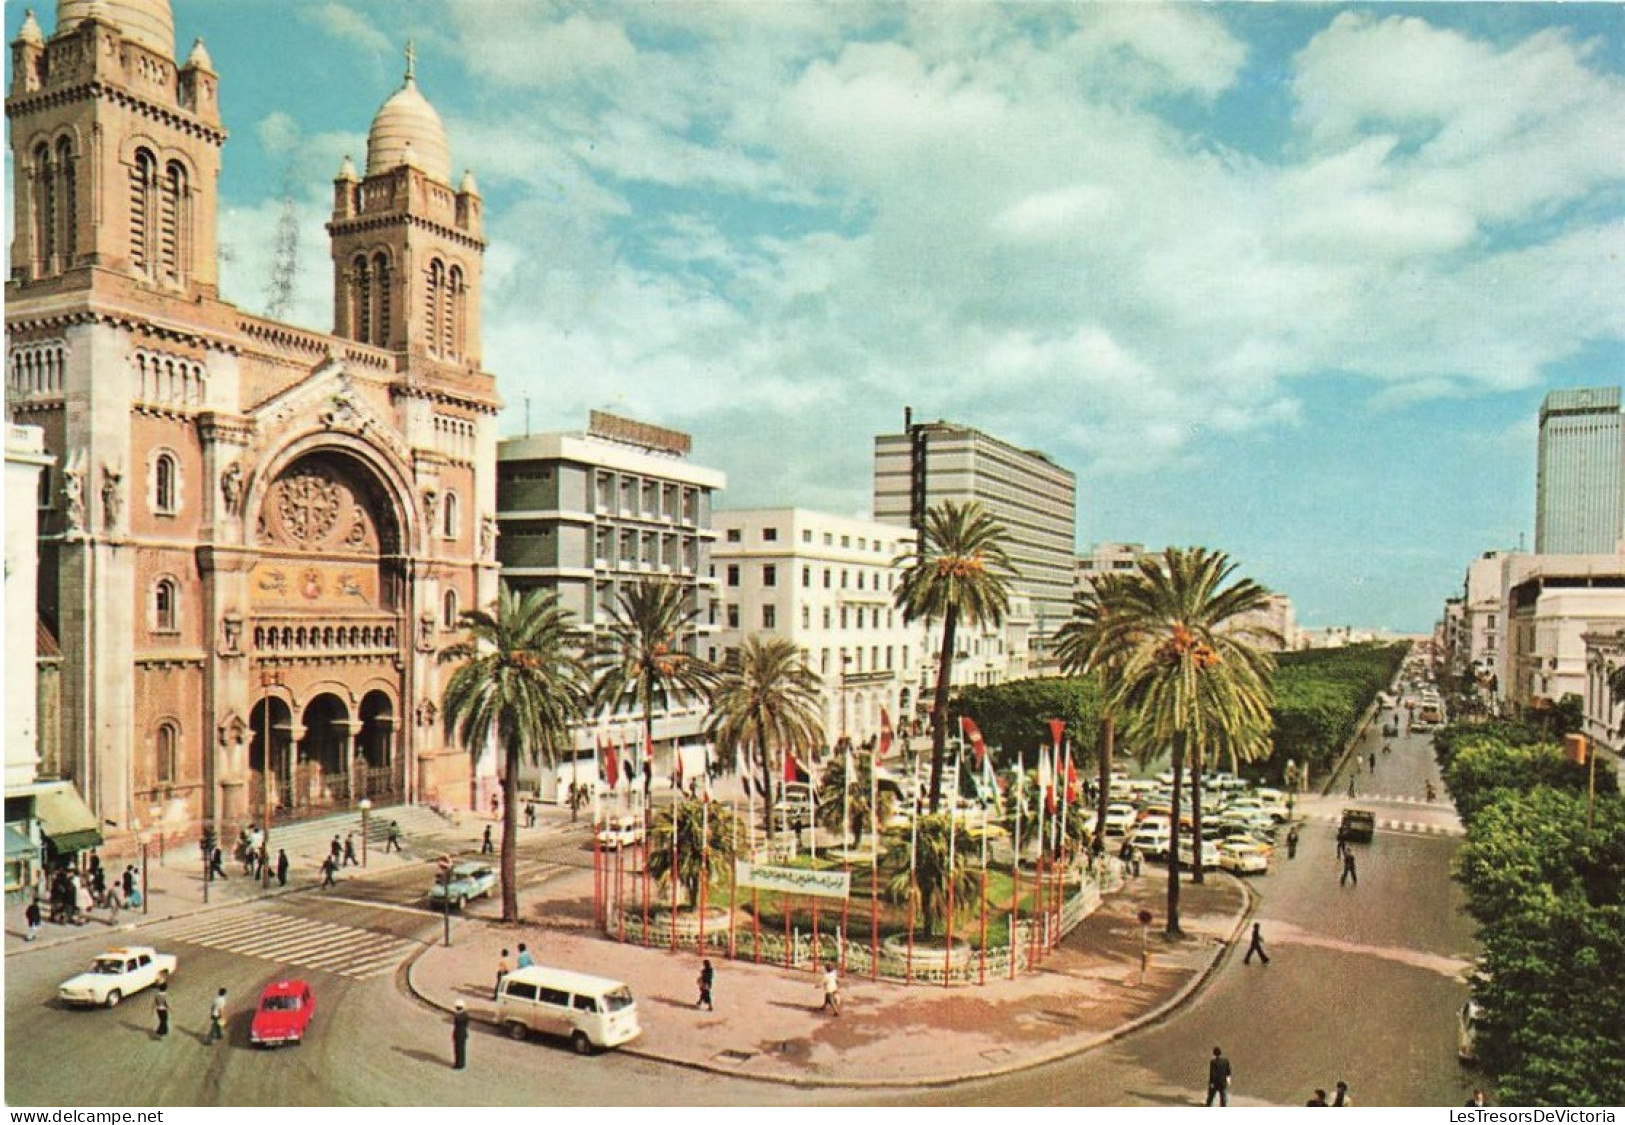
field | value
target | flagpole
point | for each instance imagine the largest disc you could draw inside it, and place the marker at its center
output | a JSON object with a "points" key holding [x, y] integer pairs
{"points": [[913, 887], [953, 824], [982, 975], [1015, 867], [676, 795], [874, 849], [733, 885], [705, 855]]}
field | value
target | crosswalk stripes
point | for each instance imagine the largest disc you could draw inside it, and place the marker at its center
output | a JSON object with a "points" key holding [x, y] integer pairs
{"points": [[289, 939]]}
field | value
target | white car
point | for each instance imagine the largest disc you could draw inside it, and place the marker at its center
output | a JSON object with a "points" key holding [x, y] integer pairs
{"points": [[1273, 802], [1152, 838], [1187, 854], [1243, 857], [1120, 819], [623, 832], [116, 974]]}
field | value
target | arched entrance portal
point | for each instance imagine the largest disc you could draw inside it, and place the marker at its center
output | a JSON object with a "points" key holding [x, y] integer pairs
{"points": [[331, 597], [270, 718]]}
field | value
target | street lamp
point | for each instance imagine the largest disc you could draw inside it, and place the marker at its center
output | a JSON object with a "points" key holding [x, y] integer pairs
{"points": [[366, 807]]}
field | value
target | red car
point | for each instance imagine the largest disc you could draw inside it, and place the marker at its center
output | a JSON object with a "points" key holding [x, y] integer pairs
{"points": [[284, 1013]]}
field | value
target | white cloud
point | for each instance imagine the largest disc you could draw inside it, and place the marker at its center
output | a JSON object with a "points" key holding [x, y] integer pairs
{"points": [[345, 23]]}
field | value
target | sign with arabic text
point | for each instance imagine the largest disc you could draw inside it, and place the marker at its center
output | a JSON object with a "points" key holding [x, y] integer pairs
{"points": [[793, 880]]}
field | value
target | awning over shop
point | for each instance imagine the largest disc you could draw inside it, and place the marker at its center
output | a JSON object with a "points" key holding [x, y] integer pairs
{"points": [[18, 845], [65, 818]]}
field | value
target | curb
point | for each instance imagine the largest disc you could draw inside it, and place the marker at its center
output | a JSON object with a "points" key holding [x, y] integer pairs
{"points": [[1096, 1040]]}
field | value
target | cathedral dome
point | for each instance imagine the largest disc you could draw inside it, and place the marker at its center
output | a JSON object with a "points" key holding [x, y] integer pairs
{"points": [[147, 22], [408, 130]]}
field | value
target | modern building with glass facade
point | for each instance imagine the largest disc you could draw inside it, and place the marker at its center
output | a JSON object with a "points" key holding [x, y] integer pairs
{"points": [[1024, 489], [1580, 477]]}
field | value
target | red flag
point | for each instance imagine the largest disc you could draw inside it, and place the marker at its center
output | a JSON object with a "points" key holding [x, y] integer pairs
{"points": [[1071, 778], [968, 728], [648, 746], [885, 733], [790, 769], [611, 766], [1057, 727]]}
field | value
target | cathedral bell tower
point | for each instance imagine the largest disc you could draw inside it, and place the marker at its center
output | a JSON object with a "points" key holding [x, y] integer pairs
{"points": [[407, 247], [116, 150]]}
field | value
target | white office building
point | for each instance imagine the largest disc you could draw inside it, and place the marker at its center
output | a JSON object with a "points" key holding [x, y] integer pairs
{"points": [[1033, 497], [1580, 476]]}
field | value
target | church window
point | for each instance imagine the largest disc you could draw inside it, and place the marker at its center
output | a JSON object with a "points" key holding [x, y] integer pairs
{"points": [[173, 233], [453, 516], [436, 302], [380, 284], [454, 314], [361, 309], [448, 617], [143, 187], [165, 484], [165, 611], [44, 208], [67, 200], [166, 751]]}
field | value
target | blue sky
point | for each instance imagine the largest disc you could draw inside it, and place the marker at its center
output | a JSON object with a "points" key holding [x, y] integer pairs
{"points": [[1285, 280]]}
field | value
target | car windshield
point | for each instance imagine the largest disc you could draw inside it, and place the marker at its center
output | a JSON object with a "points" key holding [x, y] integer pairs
{"points": [[109, 966], [617, 999], [281, 1004]]}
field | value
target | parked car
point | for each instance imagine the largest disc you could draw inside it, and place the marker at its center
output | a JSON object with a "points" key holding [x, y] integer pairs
{"points": [[1273, 802], [284, 1013], [1120, 819], [116, 974], [1187, 854], [621, 832], [1246, 820], [1152, 838], [469, 879], [1223, 782], [1243, 857]]}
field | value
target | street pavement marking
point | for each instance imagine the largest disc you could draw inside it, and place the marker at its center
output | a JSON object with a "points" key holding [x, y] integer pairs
{"points": [[292, 940]]}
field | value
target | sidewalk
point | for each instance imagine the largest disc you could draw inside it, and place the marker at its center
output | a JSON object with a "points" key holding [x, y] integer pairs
{"points": [[768, 1026]]}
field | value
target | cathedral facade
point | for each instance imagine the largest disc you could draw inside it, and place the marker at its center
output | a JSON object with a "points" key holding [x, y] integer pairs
{"points": [[256, 538]]}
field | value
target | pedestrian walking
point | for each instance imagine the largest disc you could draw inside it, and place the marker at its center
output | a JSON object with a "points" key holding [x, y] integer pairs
{"points": [[336, 850], [393, 841], [112, 902], [217, 1017], [1318, 1099], [459, 1037], [1256, 946], [282, 867], [1341, 1097], [708, 977], [349, 851], [1218, 1078], [217, 863], [496, 805], [524, 960], [832, 990], [160, 1005], [502, 971], [31, 915], [530, 814], [129, 880], [1292, 842], [329, 869], [1342, 842], [1349, 874], [83, 901], [487, 847]]}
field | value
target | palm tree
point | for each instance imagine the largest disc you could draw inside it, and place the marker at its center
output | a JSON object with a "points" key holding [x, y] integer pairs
{"points": [[932, 872], [699, 830], [1096, 639], [640, 653], [767, 702], [842, 799], [518, 685], [1189, 668], [957, 570]]}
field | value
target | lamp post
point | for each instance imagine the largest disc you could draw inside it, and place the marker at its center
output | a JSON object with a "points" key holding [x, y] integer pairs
{"points": [[267, 680], [366, 807]]}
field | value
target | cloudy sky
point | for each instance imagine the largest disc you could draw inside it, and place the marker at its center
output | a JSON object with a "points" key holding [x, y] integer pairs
{"points": [[1289, 281]]}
